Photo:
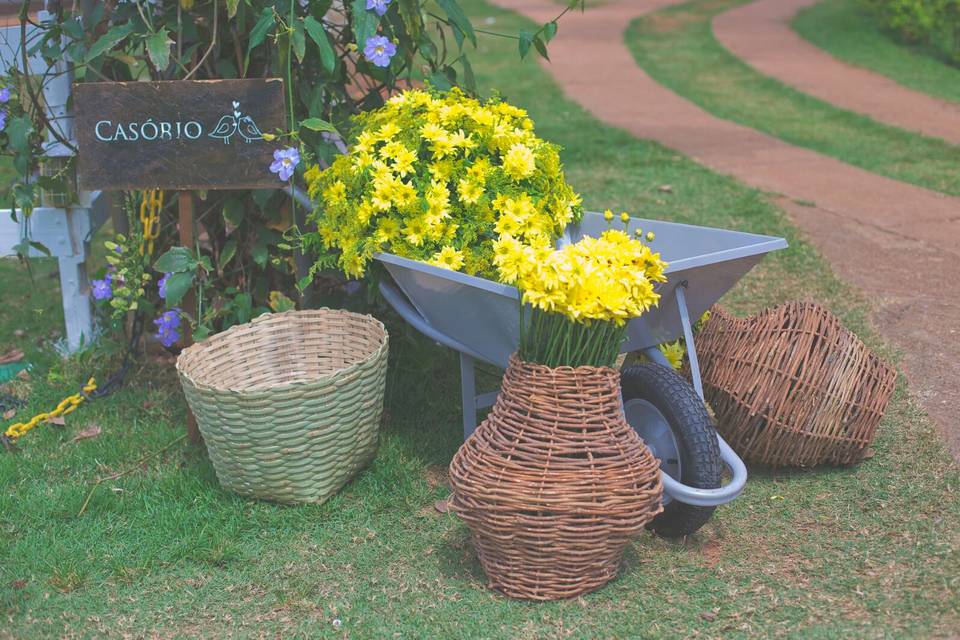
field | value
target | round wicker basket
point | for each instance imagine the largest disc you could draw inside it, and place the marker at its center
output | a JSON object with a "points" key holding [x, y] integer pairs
{"points": [[289, 405], [554, 483]]}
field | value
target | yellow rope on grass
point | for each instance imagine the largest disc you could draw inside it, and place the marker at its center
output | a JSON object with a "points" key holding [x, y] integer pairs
{"points": [[67, 405]]}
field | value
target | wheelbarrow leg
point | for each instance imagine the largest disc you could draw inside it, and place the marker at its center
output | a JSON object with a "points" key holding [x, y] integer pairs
{"points": [[468, 394], [688, 338]]}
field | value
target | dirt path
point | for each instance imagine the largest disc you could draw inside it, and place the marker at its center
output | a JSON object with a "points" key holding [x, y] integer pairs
{"points": [[759, 33], [899, 243]]}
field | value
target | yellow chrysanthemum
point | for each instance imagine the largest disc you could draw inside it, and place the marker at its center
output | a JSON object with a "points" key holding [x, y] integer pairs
{"points": [[673, 352], [519, 162], [447, 258], [335, 193], [469, 191]]}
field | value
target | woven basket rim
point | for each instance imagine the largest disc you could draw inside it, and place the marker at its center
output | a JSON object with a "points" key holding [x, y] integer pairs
{"points": [[584, 369], [199, 347]]}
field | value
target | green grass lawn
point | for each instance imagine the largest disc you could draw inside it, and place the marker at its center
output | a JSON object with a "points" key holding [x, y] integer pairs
{"points": [[851, 33], [676, 46], [865, 552]]}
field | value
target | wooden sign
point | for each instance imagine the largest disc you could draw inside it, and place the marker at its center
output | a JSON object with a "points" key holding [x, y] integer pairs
{"points": [[197, 134]]}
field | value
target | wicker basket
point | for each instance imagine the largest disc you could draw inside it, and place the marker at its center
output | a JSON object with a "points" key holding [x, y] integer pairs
{"points": [[554, 483], [289, 405], [792, 386]]}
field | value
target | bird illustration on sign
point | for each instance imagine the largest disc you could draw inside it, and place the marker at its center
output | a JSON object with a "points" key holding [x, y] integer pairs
{"points": [[237, 122]]}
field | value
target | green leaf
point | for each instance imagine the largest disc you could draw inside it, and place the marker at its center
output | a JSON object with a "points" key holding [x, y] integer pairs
{"points": [[525, 41], [364, 23], [541, 47], [176, 260], [299, 41], [280, 303], [109, 40], [177, 286], [412, 19], [458, 18], [42, 248], [318, 124], [259, 32], [73, 28], [202, 332], [319, 35], [158, 48], [469, 81], [549, 31], [232, 8], [233, 211], [18, 133], [439, 81], [260, 254], [229, 250], [304, 282], [243, 307], [23, 196]]}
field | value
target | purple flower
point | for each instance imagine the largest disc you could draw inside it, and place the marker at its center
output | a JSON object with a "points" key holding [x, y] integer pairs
{"points": [[378, 6], [167, 327], [284, 162], [379, 50], [102, 289], [3, 119], [5, 92], [162, 285]]}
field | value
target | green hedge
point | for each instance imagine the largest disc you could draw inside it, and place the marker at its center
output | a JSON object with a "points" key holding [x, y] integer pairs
{"points": [[930, 22]]}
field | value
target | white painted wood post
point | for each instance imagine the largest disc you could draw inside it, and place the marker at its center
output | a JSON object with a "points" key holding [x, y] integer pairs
{"points": [[65, 232]]}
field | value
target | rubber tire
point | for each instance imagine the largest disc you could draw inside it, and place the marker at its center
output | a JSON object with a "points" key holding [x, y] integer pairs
{"points": [[696, 438]]}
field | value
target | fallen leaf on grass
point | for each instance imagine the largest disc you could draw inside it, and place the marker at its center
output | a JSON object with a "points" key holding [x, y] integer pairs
{"points": [[709, 616], [18, 584], [19, 333], [442, 505], [13, 355], [58, 421], [24, 375], [8, 415], [90, 432]]}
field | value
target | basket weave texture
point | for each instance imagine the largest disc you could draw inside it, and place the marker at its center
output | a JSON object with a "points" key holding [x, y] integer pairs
{"points": [[554, 483], [792, 386], [289, 404]]}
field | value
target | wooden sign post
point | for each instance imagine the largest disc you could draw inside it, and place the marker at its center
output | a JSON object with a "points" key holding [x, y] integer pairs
{"points": [[178, 135]]}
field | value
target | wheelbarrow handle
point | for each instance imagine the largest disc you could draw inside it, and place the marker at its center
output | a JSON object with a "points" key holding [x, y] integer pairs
{"points": [[711, 497], [409, 313], [705, 497]]}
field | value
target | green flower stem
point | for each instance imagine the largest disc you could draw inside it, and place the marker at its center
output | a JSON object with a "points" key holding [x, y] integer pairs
{"points": [[554, 340]]}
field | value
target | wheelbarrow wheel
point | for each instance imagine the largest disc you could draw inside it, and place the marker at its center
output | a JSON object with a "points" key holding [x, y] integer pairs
{"points": [[671, 418]]}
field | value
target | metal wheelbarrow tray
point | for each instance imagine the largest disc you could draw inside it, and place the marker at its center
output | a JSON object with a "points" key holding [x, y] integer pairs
{"points": [[480, 319]]}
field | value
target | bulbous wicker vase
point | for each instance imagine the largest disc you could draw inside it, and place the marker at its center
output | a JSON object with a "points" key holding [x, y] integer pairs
{"points": [[554, 483]]}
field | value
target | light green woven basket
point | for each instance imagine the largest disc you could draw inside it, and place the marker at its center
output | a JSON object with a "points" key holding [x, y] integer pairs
{"points": [[289, 405]]}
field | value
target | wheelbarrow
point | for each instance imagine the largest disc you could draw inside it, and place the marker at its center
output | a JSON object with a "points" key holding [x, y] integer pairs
{"points": [[480, 319]]}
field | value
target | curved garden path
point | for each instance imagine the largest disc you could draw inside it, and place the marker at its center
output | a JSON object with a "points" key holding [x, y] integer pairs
{"points": [[759, 33], [899, 243]]}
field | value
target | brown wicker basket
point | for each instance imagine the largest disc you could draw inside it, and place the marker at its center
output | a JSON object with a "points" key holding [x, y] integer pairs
{"points": [[792, 386], [289, 405], [554, 483]]}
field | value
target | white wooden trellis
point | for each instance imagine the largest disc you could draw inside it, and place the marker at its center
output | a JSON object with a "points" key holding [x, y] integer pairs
{"points": [[66, 232]]}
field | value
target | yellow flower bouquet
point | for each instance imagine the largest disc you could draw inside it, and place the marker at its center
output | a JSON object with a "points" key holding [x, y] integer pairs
{"points": [[438, 177], [581, 296]]}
